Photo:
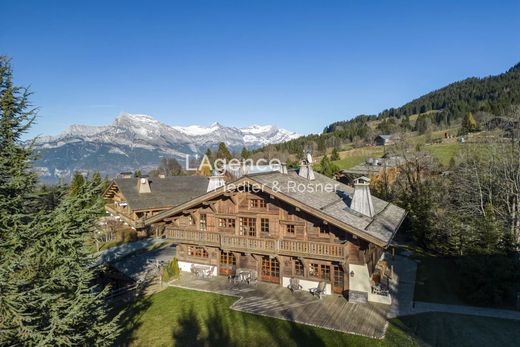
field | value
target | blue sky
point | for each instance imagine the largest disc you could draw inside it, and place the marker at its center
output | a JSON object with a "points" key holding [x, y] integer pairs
{"points": [[297, 64]]}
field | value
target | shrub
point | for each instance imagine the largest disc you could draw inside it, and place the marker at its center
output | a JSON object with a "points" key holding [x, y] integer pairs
{"points": [[171, 271]]}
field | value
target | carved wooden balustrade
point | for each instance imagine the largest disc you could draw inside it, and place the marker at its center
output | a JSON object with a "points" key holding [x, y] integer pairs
{"points": [[322, 250]]}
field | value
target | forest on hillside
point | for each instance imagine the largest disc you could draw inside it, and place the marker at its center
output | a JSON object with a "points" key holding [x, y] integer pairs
{"points": [[480, 99]]}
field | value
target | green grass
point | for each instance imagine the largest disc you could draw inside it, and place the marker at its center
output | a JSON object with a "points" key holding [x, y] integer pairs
{"points": [[444, 151], [190, 318], [356, 156]]}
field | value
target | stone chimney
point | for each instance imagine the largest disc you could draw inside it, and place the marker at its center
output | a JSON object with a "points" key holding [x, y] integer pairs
{"points": [[362, 199], [143, 185], [215, 182], [305, 170]]}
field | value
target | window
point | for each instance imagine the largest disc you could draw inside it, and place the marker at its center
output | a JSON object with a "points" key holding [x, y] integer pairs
{"points": [[247, 226], [314, 270], [324, 229], [199, 252], [264, 225], [257, 203], [203, 222], [319, 271], [325, 272], [298, 268], [226, 223], [290, 229]]}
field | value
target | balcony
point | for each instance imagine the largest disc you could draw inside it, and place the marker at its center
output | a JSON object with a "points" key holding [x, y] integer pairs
{"points": [[296, 248]]}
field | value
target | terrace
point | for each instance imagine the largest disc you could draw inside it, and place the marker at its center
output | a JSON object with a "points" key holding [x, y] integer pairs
{"points": [[331, 312]]}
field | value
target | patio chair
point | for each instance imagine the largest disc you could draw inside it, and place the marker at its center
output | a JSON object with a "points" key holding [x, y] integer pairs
{"points": [[294, 285], [319, 291], [252, 279]]}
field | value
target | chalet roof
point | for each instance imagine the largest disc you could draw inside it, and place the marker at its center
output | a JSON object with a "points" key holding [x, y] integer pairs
{"points": [[386, 137], [165, 192], [387, 217], [332, 205]]}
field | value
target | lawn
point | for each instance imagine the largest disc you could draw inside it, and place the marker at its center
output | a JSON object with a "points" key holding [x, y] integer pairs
{"points": [[444, 151], [356, 156], [179, 317]]}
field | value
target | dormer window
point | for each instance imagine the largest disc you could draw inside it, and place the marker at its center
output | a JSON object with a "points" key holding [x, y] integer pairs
{"points": [[257, 203]]}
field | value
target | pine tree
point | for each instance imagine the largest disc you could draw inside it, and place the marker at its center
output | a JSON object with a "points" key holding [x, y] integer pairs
{"points": [[223, 152], [327, 167], [46, 296], [77, 182], [335, 155], [16, 185], [245, 153], [69, 310]]}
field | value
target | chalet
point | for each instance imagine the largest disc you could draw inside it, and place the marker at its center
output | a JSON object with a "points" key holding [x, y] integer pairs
{"points": [[281, 225], [384, 140], [133, 199]]}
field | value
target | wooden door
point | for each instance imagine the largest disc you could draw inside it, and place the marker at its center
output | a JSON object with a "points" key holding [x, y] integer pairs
{"points": [[228, 263], [270, 270], [338, 283]]}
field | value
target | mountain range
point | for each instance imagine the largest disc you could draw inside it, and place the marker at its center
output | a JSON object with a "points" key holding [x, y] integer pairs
{"points": [[135, 141]]}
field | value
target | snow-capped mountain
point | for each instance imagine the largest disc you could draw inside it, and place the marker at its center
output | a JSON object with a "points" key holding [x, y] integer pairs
{"points": [[135, 141]]}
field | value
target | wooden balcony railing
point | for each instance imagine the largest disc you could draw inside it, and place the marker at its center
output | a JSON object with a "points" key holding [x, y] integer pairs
{"points": [[323, 250]]}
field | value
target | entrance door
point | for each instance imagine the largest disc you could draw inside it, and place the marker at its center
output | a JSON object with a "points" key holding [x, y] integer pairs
{"points": [[338, 279], [228, 263], [270, 270]]}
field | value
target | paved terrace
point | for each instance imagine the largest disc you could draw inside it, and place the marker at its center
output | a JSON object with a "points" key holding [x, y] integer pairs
{"points": [[331, 312]]}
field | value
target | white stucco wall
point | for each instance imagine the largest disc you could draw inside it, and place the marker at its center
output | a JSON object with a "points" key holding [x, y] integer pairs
{"points": [[306, 284], [361, 283], [186, 267]]}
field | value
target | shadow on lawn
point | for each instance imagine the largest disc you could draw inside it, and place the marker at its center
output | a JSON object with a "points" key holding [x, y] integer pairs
{"points": [[234, 328], [131, 307]]}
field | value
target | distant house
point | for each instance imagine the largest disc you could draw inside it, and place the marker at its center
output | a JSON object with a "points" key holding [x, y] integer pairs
{"points": [[383, 140]]}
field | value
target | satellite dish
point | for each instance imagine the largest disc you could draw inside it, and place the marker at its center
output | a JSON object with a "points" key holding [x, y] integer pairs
{"points": [[143, 180], [309, 158]]}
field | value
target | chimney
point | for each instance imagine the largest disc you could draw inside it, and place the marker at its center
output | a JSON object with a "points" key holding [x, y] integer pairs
{"points": [[283, 168], [243, 169], [305, 170], [215, 181], [143, 185], [362, 200]]}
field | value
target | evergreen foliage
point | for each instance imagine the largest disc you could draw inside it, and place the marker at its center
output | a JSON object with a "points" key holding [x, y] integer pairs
{"points": [[245, 154], [77, 182], [47, 294], [334, 155], [327, 167], [171, 271], [223, 152]]}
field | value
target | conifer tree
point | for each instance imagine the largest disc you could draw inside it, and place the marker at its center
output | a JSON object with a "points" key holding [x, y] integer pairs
{"points": [[16, 185], [335, 155], [245, 153], [77, 182], [70, 310], [223, 152], [47, 296]]}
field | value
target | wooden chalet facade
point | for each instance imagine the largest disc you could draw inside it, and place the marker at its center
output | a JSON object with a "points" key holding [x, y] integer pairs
{"points": [[259, 222], [133, 199]]}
